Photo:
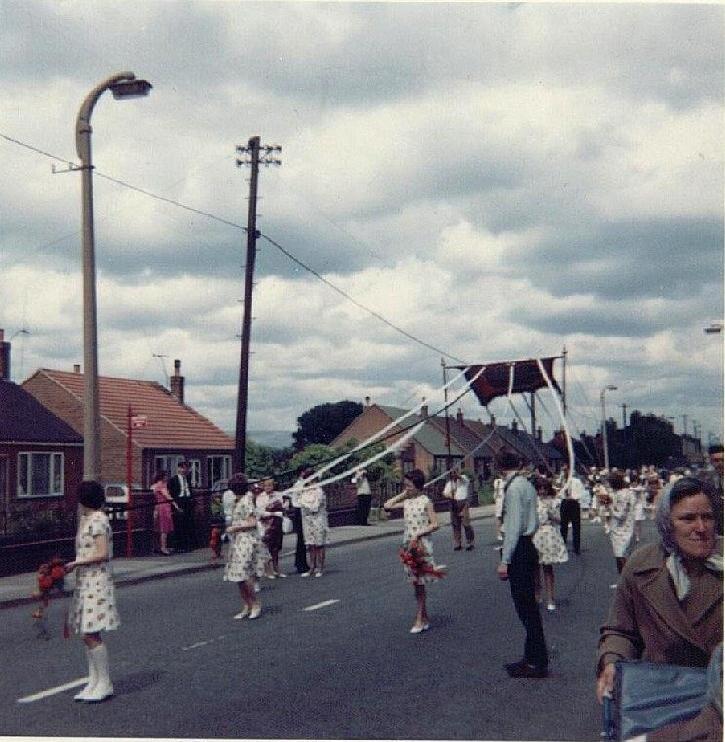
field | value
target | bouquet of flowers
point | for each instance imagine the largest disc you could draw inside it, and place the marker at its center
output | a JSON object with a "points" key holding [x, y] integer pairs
{"points": [[51, 579], [414, 557]]}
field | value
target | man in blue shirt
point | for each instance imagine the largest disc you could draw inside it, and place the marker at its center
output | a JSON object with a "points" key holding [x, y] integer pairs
{"points": [[519, 562]]}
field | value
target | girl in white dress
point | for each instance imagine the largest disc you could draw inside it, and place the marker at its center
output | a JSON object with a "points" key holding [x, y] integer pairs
{"points": [[241, 563], [621, 519], [93, 606], [417, 553], [315, 526], [547, 538]]}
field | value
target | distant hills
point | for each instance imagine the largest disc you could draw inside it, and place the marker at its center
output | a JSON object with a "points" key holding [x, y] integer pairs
{"points": [[271, 438]]}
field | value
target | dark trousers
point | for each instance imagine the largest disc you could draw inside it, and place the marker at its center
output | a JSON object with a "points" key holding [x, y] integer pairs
{"points": [[184, 534], [571, 513], [461, 516], [363, 509], [524, 563], [300, 550]]}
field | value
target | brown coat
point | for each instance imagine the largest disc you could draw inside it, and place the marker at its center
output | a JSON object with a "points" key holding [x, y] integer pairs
{"points": [[647, 622]]}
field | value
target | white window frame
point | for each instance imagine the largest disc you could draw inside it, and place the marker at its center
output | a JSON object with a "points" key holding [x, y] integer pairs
{"points": [[51, 473], [195, 472], [226, 468]]}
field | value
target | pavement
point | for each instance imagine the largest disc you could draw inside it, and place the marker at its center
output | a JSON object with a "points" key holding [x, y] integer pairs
{"points": [[18, 589]]}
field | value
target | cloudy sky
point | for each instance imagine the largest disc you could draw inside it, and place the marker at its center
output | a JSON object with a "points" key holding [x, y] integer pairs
{"points": [[497, 180]]}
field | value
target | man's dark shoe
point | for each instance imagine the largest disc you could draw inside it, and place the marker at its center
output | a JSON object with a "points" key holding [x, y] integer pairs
{"points": [[456, 548], [522, 670], [469, 547], [511, 666]]}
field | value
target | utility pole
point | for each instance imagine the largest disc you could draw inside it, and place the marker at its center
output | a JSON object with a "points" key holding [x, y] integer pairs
{"points": [[684, 424], [564, 353], [624, 416], [252, 150], [533, 415], [449, 459]]}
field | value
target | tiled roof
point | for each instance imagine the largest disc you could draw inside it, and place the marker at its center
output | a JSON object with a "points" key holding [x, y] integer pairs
{"points": [[170, 423], [429, 436], [25, 420]]}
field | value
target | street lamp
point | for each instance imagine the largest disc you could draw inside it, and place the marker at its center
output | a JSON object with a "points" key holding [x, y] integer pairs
{"points": [[608, 388], [714, 328], [123, 85]]}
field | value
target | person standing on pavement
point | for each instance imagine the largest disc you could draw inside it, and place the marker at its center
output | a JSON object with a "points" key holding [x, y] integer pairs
{"points": [[163, 516], [180, 490], [519, 564], [296, 515], [364, 496], [417, 553], [571, 511], [93, 606], [457, 490]]}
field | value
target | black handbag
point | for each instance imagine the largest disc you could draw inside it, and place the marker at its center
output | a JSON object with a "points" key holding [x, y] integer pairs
{"points": [[648, 696]]}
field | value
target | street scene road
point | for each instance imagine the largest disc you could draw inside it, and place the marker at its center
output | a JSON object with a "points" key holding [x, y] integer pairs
{"points": [[329, 658]]}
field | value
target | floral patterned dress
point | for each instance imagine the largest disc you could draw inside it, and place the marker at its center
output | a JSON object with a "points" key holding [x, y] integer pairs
{"points": [[547, 539], [621, 525], [242, 555], [314, 516], [93, 606], [415, 518]]}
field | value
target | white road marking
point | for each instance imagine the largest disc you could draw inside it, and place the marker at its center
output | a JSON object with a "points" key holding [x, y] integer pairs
{"points": [[197, 645], [53, 691], [324, 604]]}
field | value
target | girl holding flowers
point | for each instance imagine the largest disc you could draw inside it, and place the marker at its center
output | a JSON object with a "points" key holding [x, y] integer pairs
{"points": [[417, 552]]}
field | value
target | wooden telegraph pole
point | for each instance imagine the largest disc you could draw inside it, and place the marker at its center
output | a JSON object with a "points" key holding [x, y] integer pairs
{"points": [[252, 150]]}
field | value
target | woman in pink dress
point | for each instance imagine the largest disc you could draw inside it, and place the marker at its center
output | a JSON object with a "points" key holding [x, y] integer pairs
{"points": [[162, 513]]}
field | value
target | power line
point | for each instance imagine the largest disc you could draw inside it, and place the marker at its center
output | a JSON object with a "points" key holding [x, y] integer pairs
{"points": [[273, 242]]}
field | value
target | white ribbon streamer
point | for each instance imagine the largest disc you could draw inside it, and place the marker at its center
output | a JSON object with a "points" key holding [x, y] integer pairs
{"points": [[569, 447]]}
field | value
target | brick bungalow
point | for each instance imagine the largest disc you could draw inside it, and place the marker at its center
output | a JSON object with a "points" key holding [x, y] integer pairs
{"points": [[41, 457], [173, 431]]}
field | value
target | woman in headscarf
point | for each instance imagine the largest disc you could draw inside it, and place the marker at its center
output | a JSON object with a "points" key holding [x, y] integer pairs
{"points": [[668, 603]]}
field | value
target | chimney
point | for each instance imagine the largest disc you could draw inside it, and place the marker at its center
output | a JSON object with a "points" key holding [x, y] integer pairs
{"points": [[424, 409], [367, 401], [493, 420], [76, 368], [539, 434], [514, 426], [4, 357], [459, 416], [177, 382]]}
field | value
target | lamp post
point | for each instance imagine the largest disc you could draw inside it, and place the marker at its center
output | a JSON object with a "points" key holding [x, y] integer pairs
{"points": [[123, 85], [608, 388]]}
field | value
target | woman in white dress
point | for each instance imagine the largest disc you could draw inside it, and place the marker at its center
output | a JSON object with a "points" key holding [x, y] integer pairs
{"points": [[93, 606], [417, 553], [621, 518], [547, 538], [640, 498], [241, 563], [315, 526]]}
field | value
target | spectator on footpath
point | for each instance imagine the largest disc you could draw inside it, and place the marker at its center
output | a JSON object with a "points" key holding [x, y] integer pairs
{"points": [[364, 496], [457, 490], [163, 516], [519, 564], [179, 488], [296, 515], [571, 511]]}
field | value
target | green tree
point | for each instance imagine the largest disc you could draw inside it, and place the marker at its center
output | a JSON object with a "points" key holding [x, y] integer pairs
{"points": [[324, 422]]}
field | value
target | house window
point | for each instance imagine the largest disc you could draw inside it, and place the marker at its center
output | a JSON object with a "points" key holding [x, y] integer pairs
{"points": [[167, 464], [195, 472], [40, 475], [218, 467]]}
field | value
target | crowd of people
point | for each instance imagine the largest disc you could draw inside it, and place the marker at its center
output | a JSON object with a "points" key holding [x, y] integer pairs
{"points": [[667, 607]]}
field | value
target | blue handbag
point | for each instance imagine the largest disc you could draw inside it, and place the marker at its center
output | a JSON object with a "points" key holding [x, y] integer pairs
{"points": [[647, 696]]}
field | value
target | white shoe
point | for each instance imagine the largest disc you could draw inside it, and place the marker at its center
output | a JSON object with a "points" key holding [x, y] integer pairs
{"points": [[92, 679], [244, 612], [306, 574], [280, 574], [318, 573], [254, 613], [551, 606], [103, 688], [271, 577], [613, 587], [417, 629]]}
